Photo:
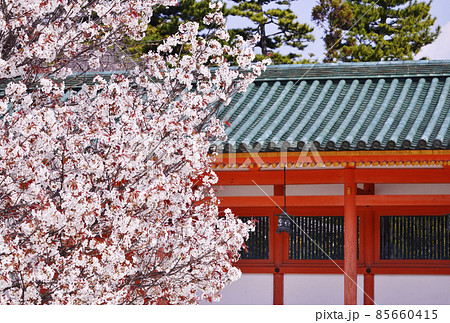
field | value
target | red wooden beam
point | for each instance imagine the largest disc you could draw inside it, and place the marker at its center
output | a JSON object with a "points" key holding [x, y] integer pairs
{"points": [[333, 201], [401, 270], [335, 176], [350, 239], [398, 269], [403, 200], [399, 175], [411, 210]]}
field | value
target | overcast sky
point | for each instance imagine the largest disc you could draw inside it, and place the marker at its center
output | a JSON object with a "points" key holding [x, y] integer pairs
{"points": [[438, 50]]}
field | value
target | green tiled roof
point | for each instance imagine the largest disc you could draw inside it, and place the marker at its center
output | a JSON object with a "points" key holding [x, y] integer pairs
{"points": [[346, 106]]}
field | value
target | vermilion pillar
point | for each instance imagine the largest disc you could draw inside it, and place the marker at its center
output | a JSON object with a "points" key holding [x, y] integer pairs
{"points": [[369, 250], [350, 238], [369, 289], [278, 277], [278, 289]]}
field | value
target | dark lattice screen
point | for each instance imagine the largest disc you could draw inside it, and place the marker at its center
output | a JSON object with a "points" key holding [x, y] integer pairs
{"points": [[414, 237], [325, 232], [258, 241]]}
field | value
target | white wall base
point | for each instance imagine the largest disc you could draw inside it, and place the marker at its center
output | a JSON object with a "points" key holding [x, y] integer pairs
{"points": [[317, 289], [412, 289], [250, 289]]}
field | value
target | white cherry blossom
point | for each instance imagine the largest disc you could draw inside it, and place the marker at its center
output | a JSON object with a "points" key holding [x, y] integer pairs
{"points": [[106, 186]]}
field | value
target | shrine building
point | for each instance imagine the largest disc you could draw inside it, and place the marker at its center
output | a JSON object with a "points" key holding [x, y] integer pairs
{"points": [[346, 170]]}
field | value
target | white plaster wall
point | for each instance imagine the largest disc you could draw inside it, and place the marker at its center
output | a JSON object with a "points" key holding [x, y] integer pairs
{"points": [[412, 189], [315, 189], [244, 190], [333, 189], [317, 289], [325, 289], [412, 289], [294, 190], [250, 289]]}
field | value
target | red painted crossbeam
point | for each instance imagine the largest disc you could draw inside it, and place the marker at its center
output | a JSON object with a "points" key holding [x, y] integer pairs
{"points": [[334, 176], [335, 200]]}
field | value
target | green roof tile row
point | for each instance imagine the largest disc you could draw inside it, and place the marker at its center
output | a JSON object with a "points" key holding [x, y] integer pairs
{"points": [[347, 106]]}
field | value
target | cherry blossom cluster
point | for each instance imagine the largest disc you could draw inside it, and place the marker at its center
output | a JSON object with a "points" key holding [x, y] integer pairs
{"points": [[106, 187]]}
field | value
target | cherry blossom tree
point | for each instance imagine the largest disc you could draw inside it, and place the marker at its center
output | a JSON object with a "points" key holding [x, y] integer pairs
{"points": [[106, 192]]}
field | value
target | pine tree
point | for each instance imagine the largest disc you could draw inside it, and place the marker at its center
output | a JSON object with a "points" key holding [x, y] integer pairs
{"points": [[333, 16], [367, 30], [277, 25], [166, 20]]}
